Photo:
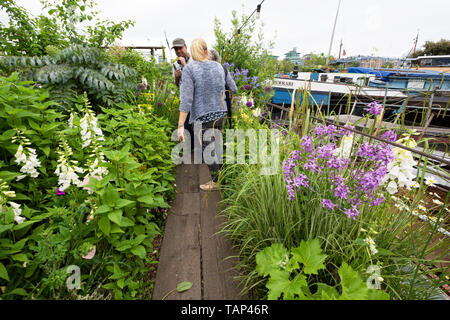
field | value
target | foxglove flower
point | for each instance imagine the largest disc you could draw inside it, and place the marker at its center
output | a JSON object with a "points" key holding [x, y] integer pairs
{"points": [[89, 129], [30, 161], [17, 212]]}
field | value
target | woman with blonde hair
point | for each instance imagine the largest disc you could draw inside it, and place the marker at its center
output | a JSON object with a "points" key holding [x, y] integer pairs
{"points": [[202, 94]]}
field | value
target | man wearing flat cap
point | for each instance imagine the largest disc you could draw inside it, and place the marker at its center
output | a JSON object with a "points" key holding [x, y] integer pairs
{"points": [[183, 58]]}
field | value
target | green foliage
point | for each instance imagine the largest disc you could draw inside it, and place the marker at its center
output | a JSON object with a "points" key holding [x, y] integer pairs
{"points": [[285, 66], [80, 69], [162, 101], [316, 60], [118, 215], [246, 51], [289, 275], [61, 26], [146, 68], [431, 48], [354, 64]]}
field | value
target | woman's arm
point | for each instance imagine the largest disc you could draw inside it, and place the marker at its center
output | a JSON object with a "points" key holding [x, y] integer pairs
{"points": [[186, 99], [181, 120]]}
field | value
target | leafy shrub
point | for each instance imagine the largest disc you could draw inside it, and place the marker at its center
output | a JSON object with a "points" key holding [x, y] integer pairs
{"points": [[288, 273], [29, 35], [77, 69], [70, 196]]}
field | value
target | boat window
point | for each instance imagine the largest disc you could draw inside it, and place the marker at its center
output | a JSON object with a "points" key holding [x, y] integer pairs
{"points": [[441, 62], [435, 62], [426, 62]]}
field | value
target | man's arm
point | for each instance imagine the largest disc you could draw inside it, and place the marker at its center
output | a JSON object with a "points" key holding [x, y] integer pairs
{"points": [[177, 77]]}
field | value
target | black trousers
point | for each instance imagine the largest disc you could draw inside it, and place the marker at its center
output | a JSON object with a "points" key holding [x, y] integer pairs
{"points": [[189, 128], [215, 140]]}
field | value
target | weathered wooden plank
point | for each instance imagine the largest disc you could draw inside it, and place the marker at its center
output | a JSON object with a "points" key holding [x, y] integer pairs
{"points": [[217, 266], [180, 259], [187, 178], [186, 203]]}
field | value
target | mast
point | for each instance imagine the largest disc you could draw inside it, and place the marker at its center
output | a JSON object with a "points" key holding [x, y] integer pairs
{"points": [[332, 34]]}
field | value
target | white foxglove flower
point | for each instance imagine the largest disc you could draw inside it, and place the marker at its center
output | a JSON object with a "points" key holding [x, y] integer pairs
{"points": [[89, 127], [10, 194], [71, 121], [17, 212], [31, 162]]}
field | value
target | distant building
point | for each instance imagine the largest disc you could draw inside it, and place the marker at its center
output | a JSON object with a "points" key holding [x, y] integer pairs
{"points": [[367, 62], [294, 57]]}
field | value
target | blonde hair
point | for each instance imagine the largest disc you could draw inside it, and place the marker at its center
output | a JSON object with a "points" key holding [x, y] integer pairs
{"points": [[199, 50]]}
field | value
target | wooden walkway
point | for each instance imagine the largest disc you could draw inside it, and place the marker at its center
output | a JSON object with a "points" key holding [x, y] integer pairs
{"points": [[191, 250]]}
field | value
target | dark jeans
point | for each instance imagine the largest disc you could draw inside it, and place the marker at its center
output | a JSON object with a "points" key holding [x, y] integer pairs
{"points": [[217, 151]]}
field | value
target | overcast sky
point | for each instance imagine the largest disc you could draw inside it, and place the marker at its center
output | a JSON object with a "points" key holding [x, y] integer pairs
{"points": [[378, 27]]}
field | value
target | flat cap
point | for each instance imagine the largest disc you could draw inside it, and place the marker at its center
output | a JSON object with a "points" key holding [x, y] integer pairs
{"points": [[178, 43]]}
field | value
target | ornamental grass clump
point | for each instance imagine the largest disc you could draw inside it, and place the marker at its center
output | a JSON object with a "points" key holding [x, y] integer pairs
{"points": [[330, 188]]}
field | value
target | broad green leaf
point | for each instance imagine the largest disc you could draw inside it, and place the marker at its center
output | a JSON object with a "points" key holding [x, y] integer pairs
{"points": [[325, 292], [139, 251], [123, 203], [139, 239], [116, 229], [148, 199], [110, 196], [115, 216], [126, 222], [20, 257], [104, 225], [121, 283], [19, 292], [353, 287], [375, 294], [23, 225], [279, 283], [4, 228], [46, 150], [184, 286], [102, 209], [271, 258], [309, 253], [3, 272]]}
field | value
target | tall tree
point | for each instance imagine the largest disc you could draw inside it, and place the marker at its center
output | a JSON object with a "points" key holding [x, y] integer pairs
{"points": [[430, 48]]}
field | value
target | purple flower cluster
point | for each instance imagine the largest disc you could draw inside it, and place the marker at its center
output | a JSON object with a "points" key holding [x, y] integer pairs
{"points": [[375, 108], [389, 135], [242, 79], [345, 131], [328, 204], [353, 183]]}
